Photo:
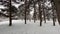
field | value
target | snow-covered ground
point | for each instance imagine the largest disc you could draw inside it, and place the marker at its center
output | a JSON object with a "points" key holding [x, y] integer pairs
{"points": [[19, 27]]}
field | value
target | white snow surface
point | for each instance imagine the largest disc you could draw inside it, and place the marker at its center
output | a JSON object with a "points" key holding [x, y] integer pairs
{"points": [[19, 27]]}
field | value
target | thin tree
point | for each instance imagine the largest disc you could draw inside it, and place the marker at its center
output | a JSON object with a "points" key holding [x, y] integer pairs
{"points": [[54, 16], [25, 9], [10, 24], [34, 11], [53, 19], [28, 8], [57, 5], [40, 12], [44, 14]]}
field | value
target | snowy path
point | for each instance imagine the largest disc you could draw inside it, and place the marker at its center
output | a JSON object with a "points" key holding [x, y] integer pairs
{"points": [[19, 27]]}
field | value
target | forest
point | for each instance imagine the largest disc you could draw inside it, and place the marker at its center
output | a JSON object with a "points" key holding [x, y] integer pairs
{"points": [[29, 10], [29, 16]]}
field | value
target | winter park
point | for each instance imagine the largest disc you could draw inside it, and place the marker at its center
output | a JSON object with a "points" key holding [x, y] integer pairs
{"points": [[29, 16]]}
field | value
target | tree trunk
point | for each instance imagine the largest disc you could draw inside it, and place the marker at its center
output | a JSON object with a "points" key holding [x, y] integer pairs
{"points": [[57, 4], [40, 13], [53, 19], [10, 24], [34, 11], [44, 15], [25, 10], [53, 8]]}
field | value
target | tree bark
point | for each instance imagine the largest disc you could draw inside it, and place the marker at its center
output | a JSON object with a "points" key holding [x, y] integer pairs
{"points": [[25, 10], [57, 4], [44, 15], [10, 19], [53, 8], [40, 13], [34, 11]]}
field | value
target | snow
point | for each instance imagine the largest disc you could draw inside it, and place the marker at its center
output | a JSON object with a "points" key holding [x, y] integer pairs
{"points": [[32, 11], [17, 5], [48, 4], [2, 7], [19, 27]]}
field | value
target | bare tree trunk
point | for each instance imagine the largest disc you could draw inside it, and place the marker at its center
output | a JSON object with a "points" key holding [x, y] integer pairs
{"points": [[44, 13], [57, 4], [34, 11], [10, 24], [54, 19], [25, 9], [44, 16], [40, 13]]}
